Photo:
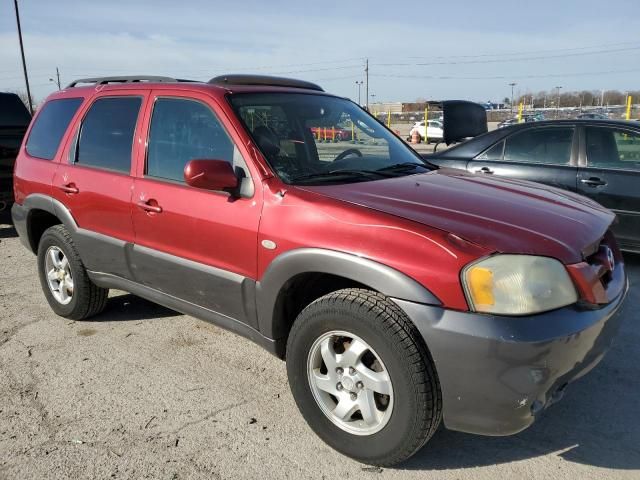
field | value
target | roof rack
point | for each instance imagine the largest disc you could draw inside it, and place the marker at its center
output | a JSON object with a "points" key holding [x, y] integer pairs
{"points": [[266, 80], [126, 79]]}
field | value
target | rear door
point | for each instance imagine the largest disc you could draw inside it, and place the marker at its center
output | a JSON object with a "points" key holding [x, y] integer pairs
{"points": [[611, 176], [94, 179], [545, 154]]}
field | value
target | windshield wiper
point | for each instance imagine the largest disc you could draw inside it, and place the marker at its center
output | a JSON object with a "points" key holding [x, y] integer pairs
{"points": [[403, 166], [341, 173]]}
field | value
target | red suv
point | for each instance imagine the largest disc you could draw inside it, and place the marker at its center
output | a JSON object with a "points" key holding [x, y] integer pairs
{"points": [[399, 293]]}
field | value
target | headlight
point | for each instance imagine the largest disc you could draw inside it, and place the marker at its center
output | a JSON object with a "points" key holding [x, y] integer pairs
{"points": [[517, 285]]}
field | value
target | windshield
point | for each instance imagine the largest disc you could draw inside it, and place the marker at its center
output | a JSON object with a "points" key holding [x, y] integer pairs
{"points": [[318, 139]]}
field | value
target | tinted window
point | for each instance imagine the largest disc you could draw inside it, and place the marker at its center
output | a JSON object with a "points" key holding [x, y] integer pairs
{"points": [[183, 130], [540, 145], [107, 132], [50, 126], [493, 153], [611, 148]]}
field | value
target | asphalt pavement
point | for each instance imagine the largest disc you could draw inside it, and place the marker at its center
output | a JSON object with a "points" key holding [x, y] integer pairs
{"points": [[144, 392]]}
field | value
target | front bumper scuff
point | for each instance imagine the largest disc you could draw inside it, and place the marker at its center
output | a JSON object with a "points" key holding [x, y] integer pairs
{"points": [[497, 373]]}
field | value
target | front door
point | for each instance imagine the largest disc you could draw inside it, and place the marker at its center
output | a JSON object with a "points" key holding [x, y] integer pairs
{"points": [[540, 154], [197, 245], [611, 177]]}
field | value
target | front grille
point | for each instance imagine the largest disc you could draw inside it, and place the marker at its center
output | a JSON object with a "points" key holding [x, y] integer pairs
{"points": [[606, 259]]}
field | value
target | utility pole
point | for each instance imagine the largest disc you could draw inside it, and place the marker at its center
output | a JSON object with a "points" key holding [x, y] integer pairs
{"points": [[57, 81], [24, 63], [558, 102], [512, 84], [359, 84], [366, 89]]}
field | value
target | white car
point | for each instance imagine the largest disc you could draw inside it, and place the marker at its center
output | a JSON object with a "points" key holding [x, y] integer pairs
{"points": [[434, 132]]}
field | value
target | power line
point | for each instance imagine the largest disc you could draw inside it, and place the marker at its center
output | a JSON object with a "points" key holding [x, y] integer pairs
{"points": [[505, 60], [503, 77], [529, 52]]}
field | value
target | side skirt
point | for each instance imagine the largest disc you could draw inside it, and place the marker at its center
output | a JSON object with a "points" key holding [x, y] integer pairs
{"points": [[107, 280]]}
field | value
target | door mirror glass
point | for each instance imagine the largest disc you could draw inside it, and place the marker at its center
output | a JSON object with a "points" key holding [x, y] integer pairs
{"points": [[210, 175]]}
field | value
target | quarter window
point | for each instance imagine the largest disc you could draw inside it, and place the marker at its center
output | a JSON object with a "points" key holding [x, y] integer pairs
{"points": [[183, 130], [106, 135], [540, 145], [493, 153], [50, 126], [612, 148]]}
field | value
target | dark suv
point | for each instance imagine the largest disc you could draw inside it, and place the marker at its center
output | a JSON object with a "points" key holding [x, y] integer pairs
{"points": [[400, 294]]}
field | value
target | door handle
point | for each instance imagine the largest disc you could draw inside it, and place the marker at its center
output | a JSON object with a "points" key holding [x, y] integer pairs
{"points": [[148, 207], [69, 188], [485, 170], [593, 182]]}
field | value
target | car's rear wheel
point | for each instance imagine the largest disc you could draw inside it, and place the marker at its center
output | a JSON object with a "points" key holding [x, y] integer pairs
{"points": [[64, 279], [363, 378]]}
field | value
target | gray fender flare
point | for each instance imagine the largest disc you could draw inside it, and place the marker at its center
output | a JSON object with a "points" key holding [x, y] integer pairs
{"points": [[286, 266], [38, 201]]}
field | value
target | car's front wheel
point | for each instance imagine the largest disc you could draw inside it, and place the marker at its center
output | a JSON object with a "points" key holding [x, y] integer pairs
{"points": [[363, 378]]}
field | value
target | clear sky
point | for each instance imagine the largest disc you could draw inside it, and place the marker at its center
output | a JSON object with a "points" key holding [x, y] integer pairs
{"points": [[428, 49]]}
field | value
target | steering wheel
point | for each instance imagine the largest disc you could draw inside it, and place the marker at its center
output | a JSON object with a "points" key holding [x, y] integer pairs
{"points": [[347, 152]]}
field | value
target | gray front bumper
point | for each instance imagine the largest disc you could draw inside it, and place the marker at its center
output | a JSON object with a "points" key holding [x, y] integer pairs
{"points": [[497, 373]]}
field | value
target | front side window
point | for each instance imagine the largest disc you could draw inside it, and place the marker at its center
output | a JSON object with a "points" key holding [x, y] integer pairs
{"points": [[50, 126], [106, 135], [613, 148], [319, 139], [540, 145], [183, 130]]}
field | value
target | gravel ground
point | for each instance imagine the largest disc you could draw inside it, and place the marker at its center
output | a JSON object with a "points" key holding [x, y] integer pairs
{"points": [[144, 392]]}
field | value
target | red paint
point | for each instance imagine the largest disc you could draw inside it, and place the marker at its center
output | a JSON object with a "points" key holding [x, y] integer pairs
{"points": [[428, 226]]}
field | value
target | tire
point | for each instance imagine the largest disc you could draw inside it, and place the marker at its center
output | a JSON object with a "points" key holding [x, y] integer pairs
{"points": [[84, 299], [415, 403]]}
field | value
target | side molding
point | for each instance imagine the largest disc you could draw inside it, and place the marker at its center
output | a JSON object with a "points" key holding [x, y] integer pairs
{"points": [[375, 275]]}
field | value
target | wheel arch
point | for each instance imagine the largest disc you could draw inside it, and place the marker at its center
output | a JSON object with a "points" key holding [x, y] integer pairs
{"points": [[342, 270], [39, 213]]}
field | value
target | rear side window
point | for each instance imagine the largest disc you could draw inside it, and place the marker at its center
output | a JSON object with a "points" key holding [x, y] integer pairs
{"points": [[540, 145], [183, 130], [106, 135], [49, 127]]}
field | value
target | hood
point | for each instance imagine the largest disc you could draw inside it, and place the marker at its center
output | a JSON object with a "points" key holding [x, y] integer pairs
{"points": [[504, 215]]}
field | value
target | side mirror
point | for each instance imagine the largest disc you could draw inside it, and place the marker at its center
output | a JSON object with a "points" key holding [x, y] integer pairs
{"points": [[210, 174]]}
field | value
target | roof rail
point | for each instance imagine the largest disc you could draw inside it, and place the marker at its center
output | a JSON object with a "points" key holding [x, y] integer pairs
{"points": [[266, 80], [126, 79]]}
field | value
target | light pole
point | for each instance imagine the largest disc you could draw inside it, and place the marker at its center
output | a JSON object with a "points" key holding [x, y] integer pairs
{"points": [[24, 63], [359, 83], [558, 102], [57, 79], [512, 84]]}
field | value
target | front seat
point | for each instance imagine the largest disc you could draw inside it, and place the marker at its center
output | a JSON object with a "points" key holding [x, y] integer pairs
{"points": [[267, 141]]}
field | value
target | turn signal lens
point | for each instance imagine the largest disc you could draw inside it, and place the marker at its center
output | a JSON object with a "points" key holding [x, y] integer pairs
{"points": [[481, 285]]}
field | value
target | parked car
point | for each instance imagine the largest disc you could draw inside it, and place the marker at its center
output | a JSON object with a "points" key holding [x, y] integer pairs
{"points": [[434, 130], [14, 120], [332, 133], [399, 294], [592, 116], [596, 158], [537, 117]]}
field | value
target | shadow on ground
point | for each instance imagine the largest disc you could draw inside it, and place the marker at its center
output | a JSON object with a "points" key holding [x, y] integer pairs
{"points": [[128, 307], [596, 423]]}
